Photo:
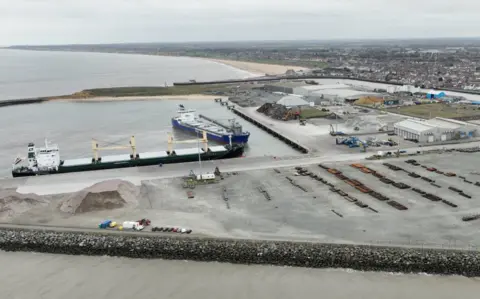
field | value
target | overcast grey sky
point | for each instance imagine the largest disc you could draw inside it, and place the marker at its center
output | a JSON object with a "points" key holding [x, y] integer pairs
{"points": [[110, 21]]}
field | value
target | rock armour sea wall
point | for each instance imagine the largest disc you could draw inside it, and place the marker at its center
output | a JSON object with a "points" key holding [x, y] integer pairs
{"points": [[314, 255]]}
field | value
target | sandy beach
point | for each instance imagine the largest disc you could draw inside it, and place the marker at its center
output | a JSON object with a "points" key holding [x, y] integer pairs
{"points": [[193, 97], [259, 68], [256, 69]]}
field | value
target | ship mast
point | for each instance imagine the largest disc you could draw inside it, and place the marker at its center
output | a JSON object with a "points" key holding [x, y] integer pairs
{"points": [[199, 156]]}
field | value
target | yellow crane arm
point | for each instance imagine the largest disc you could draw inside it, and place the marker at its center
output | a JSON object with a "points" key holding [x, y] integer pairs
{"points": [[96, 148], [203, 140]]}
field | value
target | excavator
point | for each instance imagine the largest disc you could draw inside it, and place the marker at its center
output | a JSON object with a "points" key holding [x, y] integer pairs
{"points": [[291, 115], [335, 133]]}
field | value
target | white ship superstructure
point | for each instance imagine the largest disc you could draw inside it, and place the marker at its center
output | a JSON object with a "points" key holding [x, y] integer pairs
{"points": [[45, 158]]}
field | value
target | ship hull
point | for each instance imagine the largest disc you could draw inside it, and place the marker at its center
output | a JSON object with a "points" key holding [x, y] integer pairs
{"points": [[220, 138], [234, 152]]}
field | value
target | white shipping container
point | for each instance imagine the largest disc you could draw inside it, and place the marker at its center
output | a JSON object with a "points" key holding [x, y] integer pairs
{"points": [[129, 224], [132, 225], [206, 176]]}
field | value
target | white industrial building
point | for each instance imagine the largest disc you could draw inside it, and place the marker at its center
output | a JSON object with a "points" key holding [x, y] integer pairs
{"points": [[341, 94], [292, 101], [309, 89], [435, 130], [403, 88]]}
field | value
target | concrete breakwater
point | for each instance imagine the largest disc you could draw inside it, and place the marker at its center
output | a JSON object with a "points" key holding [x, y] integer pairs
{"points": [[296, 145], [22, 102], [313, 255], [279, 78]]}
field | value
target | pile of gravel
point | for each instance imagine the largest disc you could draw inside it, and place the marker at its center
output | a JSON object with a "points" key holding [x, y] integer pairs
{"points": [[106, 195], [314, 255]]}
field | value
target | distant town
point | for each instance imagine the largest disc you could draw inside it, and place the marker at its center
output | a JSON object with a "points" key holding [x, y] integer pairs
{"points": [[446, 63]]}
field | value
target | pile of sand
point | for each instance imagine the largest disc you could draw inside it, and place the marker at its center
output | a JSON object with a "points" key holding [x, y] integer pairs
{"points": [[13, 203], [107, 195]]}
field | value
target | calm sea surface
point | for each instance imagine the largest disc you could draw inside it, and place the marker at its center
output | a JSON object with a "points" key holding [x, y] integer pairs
{"points": [[33, 275], [72, 124], [26, 74]]}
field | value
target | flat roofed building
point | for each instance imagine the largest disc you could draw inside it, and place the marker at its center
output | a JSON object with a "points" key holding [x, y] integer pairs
{"points": [[309, 89], [292, 101], [284, 87], [435, 130]]}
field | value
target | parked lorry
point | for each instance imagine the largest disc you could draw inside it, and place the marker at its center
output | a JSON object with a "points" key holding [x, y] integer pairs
{"points": [[133, 225]]}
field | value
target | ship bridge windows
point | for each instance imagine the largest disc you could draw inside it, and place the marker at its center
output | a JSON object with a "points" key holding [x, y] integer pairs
{"points": [[47, 151]]}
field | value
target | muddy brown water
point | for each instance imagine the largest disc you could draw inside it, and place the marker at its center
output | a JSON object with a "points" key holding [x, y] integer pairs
{"points": [[34, 275]]}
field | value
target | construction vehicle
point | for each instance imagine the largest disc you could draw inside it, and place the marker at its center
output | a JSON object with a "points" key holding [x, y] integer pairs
{"points": [[290, 114], [193, 179], [335, 133], [105, 224], [351, 141], [363, 146], [392, 142]]}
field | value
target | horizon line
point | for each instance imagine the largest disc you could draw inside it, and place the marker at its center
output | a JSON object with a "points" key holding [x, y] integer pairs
{"points": [[250, 41]]}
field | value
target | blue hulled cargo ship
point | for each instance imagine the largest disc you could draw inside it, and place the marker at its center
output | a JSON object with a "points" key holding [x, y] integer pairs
{"points": [[187, 121]]}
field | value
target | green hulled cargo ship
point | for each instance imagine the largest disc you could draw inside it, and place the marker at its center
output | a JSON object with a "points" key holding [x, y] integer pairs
{"points": [[46, 160]]}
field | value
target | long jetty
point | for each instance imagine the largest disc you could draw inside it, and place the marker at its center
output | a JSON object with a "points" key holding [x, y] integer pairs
{"points": [[295, 144], [279, 78], [22, 102]]}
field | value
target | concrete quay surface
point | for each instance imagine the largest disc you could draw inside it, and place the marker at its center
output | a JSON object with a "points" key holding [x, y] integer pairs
{"points": [[71, 182], [255, 119], [303, 209]]}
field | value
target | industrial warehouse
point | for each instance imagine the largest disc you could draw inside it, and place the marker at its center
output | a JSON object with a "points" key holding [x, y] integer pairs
{"points": [[320, 94], [434, 130]]}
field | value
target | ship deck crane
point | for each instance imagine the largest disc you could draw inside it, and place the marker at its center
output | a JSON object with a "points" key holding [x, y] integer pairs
{"points": [[203, 140], [132, 146]]}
